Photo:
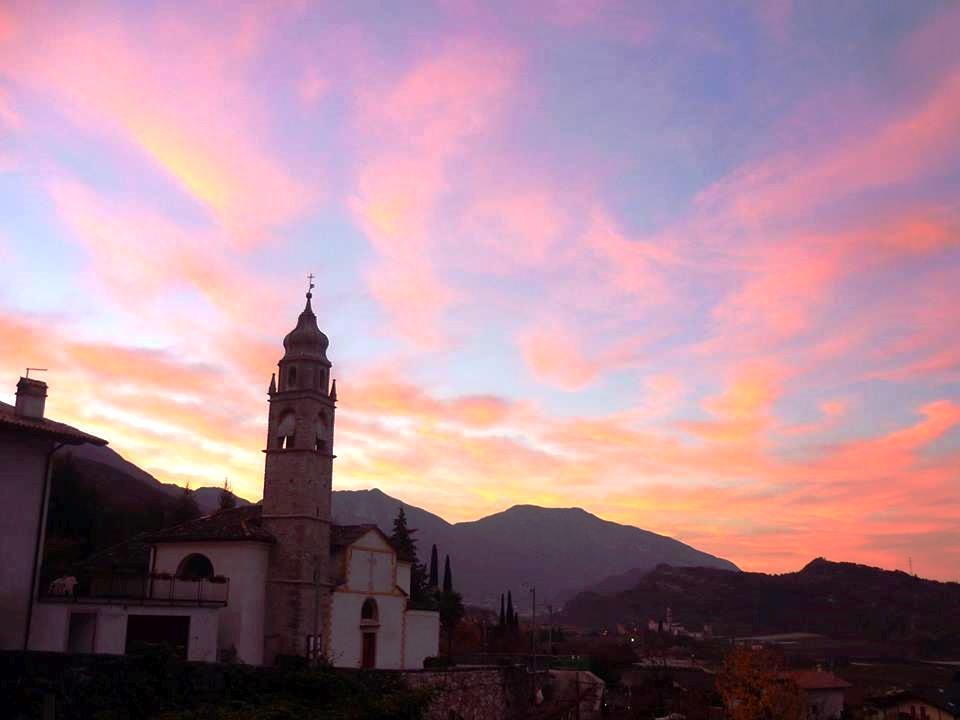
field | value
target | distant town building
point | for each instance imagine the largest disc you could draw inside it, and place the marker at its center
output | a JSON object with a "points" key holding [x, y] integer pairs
{"points": [[920, 704], [259, 582], [28, 441], [823, 692]]}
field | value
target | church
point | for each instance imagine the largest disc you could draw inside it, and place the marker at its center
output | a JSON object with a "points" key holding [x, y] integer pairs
{"points": [[259, 582]]}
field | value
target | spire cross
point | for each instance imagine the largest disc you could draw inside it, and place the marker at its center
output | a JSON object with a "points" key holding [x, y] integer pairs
{"points": [[310, 279]]}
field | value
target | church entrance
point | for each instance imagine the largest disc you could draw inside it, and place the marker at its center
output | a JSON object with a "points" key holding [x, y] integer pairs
{"points": [[369, 658]]}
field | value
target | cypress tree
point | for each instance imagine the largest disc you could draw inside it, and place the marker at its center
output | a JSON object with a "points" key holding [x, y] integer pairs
{"points": [[447, 576], [503, 616], [511, 617], [434, 570]]}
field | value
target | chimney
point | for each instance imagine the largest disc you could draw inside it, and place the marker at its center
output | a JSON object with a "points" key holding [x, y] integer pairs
{"points": [[31, 398]]}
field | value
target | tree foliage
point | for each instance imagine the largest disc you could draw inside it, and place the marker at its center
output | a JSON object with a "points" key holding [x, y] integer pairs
{"points": [[753, 687]]}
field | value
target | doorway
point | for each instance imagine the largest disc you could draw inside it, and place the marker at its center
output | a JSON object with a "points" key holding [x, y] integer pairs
{"points": [[369, 658], [148, 631], [81, 633]]}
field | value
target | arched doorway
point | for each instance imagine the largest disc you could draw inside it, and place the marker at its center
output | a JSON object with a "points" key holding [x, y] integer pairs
{"points": [[369, 622]]}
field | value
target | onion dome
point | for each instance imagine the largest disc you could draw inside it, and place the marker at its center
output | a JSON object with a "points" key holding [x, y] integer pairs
{"points": [[306, 341]]}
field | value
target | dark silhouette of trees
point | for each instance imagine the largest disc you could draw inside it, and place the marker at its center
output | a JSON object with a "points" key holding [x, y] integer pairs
{"points": [[447, 576], [227, 499], [502, 623], [753, 687], [403, 540], [434, 570]]}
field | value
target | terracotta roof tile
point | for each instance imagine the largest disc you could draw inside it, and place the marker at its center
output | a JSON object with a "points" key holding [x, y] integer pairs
{"points": [[241, 523], [817, 680]]}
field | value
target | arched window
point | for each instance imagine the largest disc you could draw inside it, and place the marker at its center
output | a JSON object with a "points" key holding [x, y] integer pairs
{"points": [[368, 612], [287, 430], [320, 434], [292, 376], [195, 567]]}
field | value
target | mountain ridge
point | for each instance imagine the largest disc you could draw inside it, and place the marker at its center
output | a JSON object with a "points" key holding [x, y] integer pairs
{"points": [[557, 550]]}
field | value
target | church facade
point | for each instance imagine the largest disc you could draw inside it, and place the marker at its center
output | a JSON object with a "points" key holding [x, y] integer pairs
{"points": [[258, 582]]}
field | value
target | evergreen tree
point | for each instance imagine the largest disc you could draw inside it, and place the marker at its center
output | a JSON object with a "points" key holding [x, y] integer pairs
{"points": [[511, 616], [227, 498], [447, 576], [503, 615], [434, 570], [406, 546], [402, 538], [450, 605], [185, 507]]}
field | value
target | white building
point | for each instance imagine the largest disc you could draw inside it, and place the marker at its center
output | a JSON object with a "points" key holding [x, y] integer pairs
{"points": [[258, 582], [28, 443]]}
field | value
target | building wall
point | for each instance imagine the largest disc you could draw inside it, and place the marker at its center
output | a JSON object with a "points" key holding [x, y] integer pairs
{"points": [[50, 629], [421, 637], [475, 694], [904, 709], [241, 623], [22, 473], [824, 704], [371, 565], [345, 647]]}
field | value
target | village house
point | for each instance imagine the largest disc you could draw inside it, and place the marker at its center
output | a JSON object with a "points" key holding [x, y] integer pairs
{"points": [[823, 692], [259, 582], [28, 442]]}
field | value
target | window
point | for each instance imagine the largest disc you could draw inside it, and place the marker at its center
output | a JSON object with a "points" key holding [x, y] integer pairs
{"points": [[195, 567], [368, 612], [320, 434], [292, 376], [287, 430]]}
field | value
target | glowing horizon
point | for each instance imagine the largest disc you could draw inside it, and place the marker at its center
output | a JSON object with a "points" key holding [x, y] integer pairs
{"points": [[694, 269]]}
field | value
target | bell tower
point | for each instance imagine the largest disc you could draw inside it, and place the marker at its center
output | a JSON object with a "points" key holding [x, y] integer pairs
{"points": [[297, 481]]}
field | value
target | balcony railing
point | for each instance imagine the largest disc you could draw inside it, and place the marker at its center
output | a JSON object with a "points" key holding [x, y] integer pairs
{"points": [[156, 589]]}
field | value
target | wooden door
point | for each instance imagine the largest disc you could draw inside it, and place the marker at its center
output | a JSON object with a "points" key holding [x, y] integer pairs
{"points": [[369, 659]]}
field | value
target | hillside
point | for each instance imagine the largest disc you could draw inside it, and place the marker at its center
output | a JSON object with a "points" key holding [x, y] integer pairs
{"points": [[841, 600], [558, 550]]}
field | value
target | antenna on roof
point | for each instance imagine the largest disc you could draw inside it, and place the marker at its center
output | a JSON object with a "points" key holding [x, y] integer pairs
{"points": [[35, 370]]}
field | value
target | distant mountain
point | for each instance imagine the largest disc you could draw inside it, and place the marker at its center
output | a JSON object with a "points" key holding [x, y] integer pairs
{"points": [[117, 467], [841, 600], [557, 550]]}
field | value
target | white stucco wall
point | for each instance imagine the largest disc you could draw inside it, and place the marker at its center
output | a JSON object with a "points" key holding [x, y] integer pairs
{"points": [[245, 563], [372, 571], [50, 628], [421, 637], [371, 565], [403, 576], [22, 473], [346, 646]]}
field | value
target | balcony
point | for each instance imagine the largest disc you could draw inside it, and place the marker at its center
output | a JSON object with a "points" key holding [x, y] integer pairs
{"points": [[161, 589]]}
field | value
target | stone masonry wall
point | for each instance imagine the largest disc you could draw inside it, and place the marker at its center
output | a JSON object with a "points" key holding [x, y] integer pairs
{"points": [[494, 693]]}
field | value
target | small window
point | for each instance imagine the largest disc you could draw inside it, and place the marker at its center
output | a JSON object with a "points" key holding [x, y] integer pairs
{"points": [[369, 610], [292, 376], [195, 567], [286, 430]]}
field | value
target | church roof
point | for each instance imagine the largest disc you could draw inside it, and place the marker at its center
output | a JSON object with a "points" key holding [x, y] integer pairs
{"points": [[343, 535], [306, 340], [43, 426], [240, 523]]}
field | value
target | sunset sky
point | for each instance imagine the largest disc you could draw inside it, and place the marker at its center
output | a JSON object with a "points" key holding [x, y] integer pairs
{"points": [[691, 266]]}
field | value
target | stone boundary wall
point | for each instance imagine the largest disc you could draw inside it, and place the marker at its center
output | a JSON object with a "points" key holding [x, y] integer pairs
{"points": [[475, 693]]}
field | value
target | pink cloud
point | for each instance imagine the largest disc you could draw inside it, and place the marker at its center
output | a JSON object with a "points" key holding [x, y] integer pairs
{"points": [[429, 114]]}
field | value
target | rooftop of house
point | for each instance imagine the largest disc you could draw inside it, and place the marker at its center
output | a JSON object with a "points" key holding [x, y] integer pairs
{"points": [[10, 420], [817, 680], [239, 523]]}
